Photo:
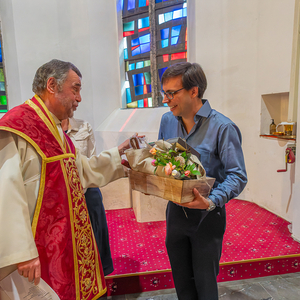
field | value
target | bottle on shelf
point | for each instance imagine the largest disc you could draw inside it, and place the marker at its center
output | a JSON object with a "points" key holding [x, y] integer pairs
{"points": [[272, 127]]}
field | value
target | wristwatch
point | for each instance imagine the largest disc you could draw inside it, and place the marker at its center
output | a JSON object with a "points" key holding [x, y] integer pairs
{"points": [[212, 205]]}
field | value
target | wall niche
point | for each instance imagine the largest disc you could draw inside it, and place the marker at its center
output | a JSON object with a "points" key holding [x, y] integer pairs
{"points": [[273, 106]]}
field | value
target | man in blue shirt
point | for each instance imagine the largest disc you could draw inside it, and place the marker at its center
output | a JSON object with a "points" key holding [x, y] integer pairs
{"points": [[195, 230]]}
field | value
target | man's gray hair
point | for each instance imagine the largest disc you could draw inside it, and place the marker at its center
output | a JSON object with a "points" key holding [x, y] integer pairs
{"points": [[55, 68]]}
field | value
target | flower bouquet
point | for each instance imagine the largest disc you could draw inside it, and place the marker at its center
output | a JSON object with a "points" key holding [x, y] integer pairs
{"points": [[168, 170]]}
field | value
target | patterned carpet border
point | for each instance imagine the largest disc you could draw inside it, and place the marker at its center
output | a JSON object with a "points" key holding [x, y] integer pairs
{"points": [[141, 262]]}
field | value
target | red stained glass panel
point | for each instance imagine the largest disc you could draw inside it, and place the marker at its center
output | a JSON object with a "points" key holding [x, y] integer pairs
{"points": [[179, 55], [127, 33], [166, 57], [143, 29], [146, 102]]}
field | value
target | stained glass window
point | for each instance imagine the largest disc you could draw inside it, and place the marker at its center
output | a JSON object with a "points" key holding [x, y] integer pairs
{"points": [[170, 40], [3, 99]]}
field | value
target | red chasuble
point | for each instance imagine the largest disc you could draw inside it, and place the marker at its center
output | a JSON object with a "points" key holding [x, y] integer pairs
{"points": [[70, 261]]}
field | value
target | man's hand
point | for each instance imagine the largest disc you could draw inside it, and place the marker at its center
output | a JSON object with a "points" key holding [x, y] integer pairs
{"points": [[31, 269], [126, 144], [199, 202]]}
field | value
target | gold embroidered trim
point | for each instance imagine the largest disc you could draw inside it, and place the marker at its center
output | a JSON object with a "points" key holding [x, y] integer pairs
{"points": [[41, 102], [51, 127], [86, 263], [72, 228], [59, 157], [27, 138], [39, 199]]}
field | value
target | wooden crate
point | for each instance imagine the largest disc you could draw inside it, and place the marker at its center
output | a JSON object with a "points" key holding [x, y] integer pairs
{"points": [[180, 191]]}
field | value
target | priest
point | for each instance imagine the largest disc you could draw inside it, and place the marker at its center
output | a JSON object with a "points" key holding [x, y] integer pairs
{"points": [[45, 230]]}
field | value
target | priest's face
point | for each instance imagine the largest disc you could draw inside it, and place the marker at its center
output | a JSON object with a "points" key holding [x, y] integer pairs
{"points": [[68, 97]]}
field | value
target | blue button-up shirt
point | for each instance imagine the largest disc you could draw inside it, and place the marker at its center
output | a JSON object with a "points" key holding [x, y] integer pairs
{"points": [[218, 140]]}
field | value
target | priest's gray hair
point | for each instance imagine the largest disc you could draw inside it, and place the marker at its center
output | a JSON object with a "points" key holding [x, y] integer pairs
{"points": [[55, 68]]}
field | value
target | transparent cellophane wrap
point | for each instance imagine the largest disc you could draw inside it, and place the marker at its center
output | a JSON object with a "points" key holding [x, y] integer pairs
{"points": [[143, 179]]}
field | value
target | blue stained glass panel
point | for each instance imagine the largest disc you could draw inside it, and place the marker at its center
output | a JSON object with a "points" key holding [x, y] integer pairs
{"points": [[161, 72], [145, 48], [149, 89], [140, 103], [131, 4], [144, 38], [174, 40], [164, 33], [140, 79], [140, 65], [136, 51], [165, 43], [139, 90], [168, 16], [177, 14], [158, 1], [131, 67], [128, 95], [142, 3], [135, 42], [143, 23], [175, 30], [134, 79], [184, 12], [125, 54], [0, 57]]}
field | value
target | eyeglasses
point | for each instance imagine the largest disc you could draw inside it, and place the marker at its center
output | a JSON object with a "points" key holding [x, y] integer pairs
{"points": [[170, 95]]}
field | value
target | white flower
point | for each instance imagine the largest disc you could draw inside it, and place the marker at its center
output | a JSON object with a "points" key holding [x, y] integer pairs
{"points": [[181, 159]]}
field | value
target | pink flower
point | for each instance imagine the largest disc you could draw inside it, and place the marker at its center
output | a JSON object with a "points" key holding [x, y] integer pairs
{"points": [[169, 168], [187, 173], [153, 151], [153, 162]]}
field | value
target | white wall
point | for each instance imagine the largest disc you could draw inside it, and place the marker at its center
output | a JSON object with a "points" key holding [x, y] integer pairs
{"points": [[81, 31], [245, 49], [243, 46]]}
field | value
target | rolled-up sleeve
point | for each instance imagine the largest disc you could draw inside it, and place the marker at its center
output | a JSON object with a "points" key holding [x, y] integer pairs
{"points": [[232, 159]]}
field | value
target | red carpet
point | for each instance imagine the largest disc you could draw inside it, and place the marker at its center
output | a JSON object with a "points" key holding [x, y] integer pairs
{"points": [[257, 243]]}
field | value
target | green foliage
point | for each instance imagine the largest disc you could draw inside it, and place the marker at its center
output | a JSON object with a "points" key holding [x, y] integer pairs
{"points": [[179, 159]]}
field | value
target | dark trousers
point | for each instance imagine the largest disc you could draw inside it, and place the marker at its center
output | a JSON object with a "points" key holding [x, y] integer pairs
{"points": [[97, 215], [194, 245]]}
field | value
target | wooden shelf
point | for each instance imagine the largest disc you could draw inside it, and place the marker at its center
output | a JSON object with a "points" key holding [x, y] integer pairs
{"points": [[283, 137]]}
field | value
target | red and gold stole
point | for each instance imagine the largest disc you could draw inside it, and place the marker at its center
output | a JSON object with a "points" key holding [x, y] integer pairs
{"points": [[70, 261]]}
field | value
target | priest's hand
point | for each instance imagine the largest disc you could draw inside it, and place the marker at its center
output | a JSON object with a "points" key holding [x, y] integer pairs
{"points": [[128, 143], [199, 202], [31, 269]]}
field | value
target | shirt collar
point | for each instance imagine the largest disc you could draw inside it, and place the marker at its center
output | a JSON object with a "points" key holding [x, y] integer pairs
{"points": [[204, 111], [73, 125]]}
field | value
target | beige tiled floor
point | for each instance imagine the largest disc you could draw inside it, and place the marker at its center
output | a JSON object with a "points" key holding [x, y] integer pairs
{"points": [[280, 287]]}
